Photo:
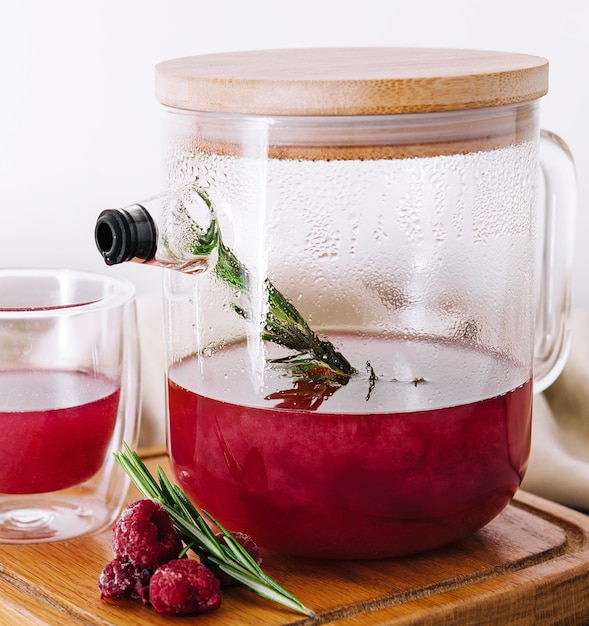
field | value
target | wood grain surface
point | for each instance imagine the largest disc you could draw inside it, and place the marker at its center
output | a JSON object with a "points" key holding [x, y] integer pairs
{"points": [[529, 566], [349, 81]]}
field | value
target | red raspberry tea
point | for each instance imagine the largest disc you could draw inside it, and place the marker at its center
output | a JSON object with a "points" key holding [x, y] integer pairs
{"points": [[59, 436], [417, 466]]}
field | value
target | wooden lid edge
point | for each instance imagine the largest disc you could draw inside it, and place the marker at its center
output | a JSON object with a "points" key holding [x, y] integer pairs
{"points": [[384, 81]]}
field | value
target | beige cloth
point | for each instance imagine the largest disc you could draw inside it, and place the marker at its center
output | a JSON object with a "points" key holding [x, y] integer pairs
{"points": [[559, 459]]}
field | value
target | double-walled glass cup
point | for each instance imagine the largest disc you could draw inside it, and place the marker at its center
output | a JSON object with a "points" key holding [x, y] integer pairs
{"points": [[69, 396]]}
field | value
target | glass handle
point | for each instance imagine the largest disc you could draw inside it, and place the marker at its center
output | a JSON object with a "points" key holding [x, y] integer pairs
{"points": [[556, 221]]}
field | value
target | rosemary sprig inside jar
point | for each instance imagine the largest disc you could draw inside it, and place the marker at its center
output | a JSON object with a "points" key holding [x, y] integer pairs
{"points": [[314, 359]]}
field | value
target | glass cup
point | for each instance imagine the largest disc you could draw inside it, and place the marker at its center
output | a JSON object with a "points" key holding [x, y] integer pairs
{"points": [[69, 396]]}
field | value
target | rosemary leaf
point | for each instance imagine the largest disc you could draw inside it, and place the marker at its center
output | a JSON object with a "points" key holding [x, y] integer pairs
{"points": [[238, 552], [138, 472], [194, 514], [200, 544], [263, 590]]}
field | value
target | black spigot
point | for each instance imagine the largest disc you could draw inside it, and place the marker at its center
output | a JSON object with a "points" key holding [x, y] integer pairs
{"points": [[128, 234]]}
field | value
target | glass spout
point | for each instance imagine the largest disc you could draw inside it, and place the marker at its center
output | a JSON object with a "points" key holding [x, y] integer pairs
{"points": [[176, 229]]}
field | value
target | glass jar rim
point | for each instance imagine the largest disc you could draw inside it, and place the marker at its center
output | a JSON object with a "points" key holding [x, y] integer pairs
{"points": [[365, 137]]}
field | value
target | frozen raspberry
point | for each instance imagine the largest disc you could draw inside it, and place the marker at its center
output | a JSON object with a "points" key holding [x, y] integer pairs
{"points": [[184, 586], [251, 548], [121, 579], [145, 536]]}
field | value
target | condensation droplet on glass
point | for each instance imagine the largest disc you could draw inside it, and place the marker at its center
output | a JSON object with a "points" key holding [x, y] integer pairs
{"points": [[379, 232]]}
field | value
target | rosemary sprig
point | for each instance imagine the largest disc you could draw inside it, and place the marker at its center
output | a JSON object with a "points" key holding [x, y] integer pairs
{"points": [[283, 324], [229, 555]]}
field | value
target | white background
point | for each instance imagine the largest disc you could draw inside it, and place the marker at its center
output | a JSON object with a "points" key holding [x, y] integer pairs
{"points": [[79, 125]]}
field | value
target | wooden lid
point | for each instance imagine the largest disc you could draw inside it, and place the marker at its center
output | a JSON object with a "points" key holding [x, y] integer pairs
{"points": [[349, 81]]}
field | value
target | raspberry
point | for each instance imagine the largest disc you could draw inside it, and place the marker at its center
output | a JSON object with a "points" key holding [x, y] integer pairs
{"points": [[121, 579], [184, 586], [145, 536], [251, 548]]}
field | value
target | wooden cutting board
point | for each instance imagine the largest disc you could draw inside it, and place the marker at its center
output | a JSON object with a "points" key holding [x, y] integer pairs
{"points": [[528, 566]]}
